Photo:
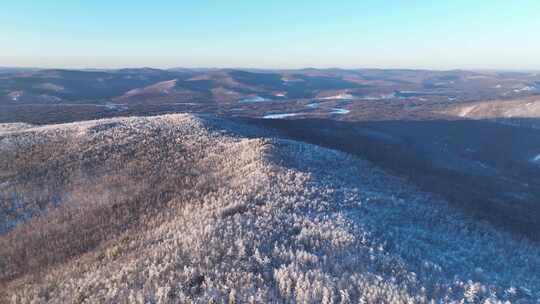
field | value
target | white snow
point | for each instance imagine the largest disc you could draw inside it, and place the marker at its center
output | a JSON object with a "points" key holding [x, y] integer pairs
{"points": [[466, 110], [410, 92], [15, 95], [51, 87], [291, 79], [536, 159], [254, 99], [339, 111], [281, 115], [288, 222], [524, 89], [111, 106], [183, 103], [343, 96], [477, 77], [379, 97]]}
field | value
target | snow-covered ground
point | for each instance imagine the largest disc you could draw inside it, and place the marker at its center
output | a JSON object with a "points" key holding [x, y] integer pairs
{"points": [[524, 89], [519, 108], [163, 88], [116, 106], [280, 115], [339, 111], [254, 99], [50, 87], [332, 111], [379, 96], [15, 95], [182, 103], [340, 96], [12, 127], [263, 220]]}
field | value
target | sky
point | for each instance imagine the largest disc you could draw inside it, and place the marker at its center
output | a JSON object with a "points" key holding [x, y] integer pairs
{"points": [[456, 34]]}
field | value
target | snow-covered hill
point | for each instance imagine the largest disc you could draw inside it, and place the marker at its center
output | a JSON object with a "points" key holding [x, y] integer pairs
{"points": [[181, 208], [518, 108]]}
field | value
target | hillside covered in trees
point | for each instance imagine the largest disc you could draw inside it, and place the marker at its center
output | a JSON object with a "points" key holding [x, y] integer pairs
{"points": [[183, 208]]}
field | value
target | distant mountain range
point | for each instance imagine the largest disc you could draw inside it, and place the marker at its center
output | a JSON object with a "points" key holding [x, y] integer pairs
{"points": [[58, 95], [144, 85]]}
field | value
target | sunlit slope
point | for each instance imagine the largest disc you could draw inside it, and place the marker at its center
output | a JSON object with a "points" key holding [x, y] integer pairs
{"points": [[516, 108]]}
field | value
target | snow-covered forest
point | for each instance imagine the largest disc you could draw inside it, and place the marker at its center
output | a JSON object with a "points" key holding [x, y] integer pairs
{"points": [[196, 209]]}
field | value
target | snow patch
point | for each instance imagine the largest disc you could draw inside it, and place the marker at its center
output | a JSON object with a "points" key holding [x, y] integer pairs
{"points": [[115, 106], [524, 89], [254, 99], [342, 96], [379, 97], [51, 87], [183, 103], [280, 115], [15, 95], [339, 111], [476, 77], [465, 111], [291, 79], [12, 127]]}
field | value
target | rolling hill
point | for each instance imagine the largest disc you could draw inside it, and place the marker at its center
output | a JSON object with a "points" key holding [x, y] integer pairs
{"points": [[185, 208]]}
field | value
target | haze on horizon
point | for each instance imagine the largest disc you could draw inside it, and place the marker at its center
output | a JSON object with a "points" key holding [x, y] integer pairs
{"points": [[278, 34]]}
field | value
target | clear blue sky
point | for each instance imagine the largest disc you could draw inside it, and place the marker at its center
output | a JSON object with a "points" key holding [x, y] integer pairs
{"points": [[471, 34]]}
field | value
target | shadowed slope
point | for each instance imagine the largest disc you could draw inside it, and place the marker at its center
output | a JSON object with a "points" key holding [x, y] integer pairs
{"points": [[484, 168]]}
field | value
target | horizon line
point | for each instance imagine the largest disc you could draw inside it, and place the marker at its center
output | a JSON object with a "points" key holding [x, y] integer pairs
{"points": [[269, 69]]}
